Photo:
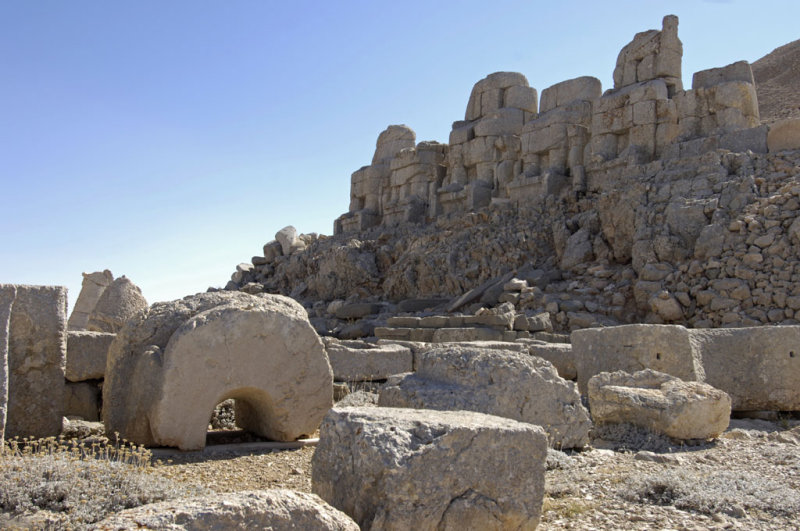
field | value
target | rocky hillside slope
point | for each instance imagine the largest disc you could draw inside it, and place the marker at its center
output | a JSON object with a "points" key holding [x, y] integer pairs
{"points": [[777, 76]]}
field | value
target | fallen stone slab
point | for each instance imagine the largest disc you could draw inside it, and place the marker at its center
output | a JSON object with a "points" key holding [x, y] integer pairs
{"points": [[505, 383], [168, 369], [358, 361], [37, 344], [86, 354], [559, 354], [759, 367], [420, 469], [276, 509], [632, 348], [92, 288], [659, 402]]}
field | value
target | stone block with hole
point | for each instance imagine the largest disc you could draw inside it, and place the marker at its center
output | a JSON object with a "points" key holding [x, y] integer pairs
{"points": [[393, 468], [170, 367], [632, 348], [758, 367]]}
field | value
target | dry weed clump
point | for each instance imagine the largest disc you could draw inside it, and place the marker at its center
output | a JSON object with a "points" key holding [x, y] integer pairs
{"points": [[75, 484], [724, 491]]}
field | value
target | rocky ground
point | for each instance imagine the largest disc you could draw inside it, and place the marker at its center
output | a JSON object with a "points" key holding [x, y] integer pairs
{"points": [[777, 75], [748, 479]]}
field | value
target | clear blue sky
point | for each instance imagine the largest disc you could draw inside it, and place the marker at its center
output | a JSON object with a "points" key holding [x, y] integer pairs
{"points": [[169, 140]]}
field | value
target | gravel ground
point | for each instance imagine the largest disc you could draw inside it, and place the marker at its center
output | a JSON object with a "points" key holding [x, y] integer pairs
{"points": [[749, 479]]}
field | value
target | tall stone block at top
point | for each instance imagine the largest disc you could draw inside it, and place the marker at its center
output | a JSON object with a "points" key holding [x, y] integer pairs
{"points": [[7, 294], [652, 55], [393, 140], [92, 288], [37, 347]]}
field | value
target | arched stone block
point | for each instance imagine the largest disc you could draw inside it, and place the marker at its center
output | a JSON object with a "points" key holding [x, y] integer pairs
{"points": [[167, 371]]}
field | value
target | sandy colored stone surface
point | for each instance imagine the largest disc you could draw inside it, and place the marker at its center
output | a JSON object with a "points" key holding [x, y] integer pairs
{"points": [[587, 491]]}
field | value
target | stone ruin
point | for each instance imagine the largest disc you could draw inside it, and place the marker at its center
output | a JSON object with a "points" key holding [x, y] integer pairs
{"points": [[547, 257], [514, 147]]}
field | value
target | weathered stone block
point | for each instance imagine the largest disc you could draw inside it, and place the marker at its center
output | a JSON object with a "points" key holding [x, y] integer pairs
{"points": [[739, 71], [92, 288], [498, 382], [7, 294], [581, 88], [506, 121], [784, 135], [758, 367], [37, 344], [632, 348], [120, 301], [86, 355], [521, 97], [357, 361], [753, 139], [168, 369], [412, 469], [258, 509], [659, 402]]}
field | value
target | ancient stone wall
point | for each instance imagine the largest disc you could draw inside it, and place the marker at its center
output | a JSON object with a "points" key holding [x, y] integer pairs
{"points": [[513, 148]]}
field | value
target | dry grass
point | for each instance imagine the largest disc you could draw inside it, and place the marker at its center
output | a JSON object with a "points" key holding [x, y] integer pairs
{"points": [[70, 484]]}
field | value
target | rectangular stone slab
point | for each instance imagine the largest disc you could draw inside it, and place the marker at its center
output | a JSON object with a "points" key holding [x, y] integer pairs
{"points": [[631, 348], [86, 354], [758, 367], [37, 348]]}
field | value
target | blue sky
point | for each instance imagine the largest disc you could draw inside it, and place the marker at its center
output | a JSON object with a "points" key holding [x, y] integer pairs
{"points": [[169, 140]]}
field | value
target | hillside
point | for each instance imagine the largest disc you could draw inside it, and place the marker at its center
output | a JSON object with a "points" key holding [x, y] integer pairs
{"points": [[777, 78]]}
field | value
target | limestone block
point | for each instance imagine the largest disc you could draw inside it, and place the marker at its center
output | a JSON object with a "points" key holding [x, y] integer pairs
{"points": [[738, 71], [86, 355], [289, 240], [391, 141], [784, 135], [521, 97], [462, 134], [753, 139], [487, 94], [632, 348], [758, 367], [581, 88], [92, 288], [449, 335], [559, 354], [274, 249], [497, 382], [356, 310], [7, 294], [82, 400], [412, 469], [258, 509], [357, 361], [659, 402], [37, 344], [578, 250], [119, 302], [651, 54], [169, 368], [506, 121], [735, 95], [491, 100]]}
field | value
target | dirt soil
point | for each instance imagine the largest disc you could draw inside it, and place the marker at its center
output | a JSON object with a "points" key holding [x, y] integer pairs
{"points": [[748, 479]]}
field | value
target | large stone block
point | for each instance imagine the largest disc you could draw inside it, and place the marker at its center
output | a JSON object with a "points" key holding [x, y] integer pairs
{"points": [[580, 88], [37, 345], [758, 367], [738, 71], [415, 469], [7, 294], [167, 370], [92, 288], [119, 302], [632, 348], [506, 121], [391, 141], [659, 402], [276, 509], [357, 361], [86, 354], [504, 383], [784, 135]]}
